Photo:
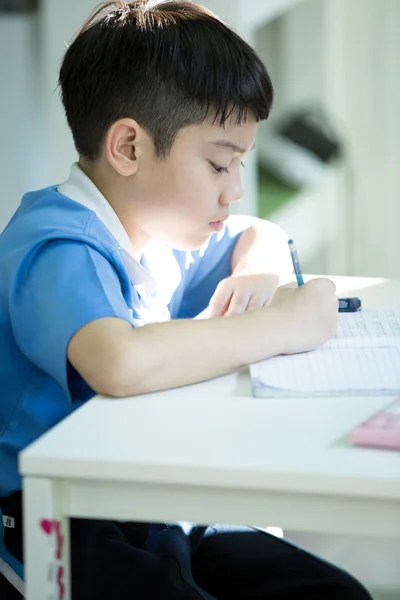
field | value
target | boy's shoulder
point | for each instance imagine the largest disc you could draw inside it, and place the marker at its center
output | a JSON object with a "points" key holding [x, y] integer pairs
{"points": [[45, 215]]}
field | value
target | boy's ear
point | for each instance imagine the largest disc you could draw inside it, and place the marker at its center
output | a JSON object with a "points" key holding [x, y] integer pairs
{"points": [[123, 146]]}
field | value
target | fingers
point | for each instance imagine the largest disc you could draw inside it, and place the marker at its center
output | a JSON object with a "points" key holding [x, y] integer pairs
{"points": [[288, 286], [238, 294], [228, 301], [323, 284], [220, 300], [238, 304]]}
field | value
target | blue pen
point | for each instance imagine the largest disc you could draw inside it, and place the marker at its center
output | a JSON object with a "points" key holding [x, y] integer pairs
{"points": [[296, 262]]}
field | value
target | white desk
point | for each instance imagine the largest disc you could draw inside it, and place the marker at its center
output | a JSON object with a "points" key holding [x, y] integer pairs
{"points": [[211, 453]]}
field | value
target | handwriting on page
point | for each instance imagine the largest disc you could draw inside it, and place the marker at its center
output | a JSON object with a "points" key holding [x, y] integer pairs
{"points": [[363, 356], [331, 371]]}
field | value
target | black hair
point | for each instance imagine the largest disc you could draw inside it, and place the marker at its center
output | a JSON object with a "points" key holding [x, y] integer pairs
{"points": [[165, 64]]}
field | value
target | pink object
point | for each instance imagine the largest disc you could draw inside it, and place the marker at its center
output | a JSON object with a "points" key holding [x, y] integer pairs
{"points": [[47, 526], [382, 430], [51, 527]]}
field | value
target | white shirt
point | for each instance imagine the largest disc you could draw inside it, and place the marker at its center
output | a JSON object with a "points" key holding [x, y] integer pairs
{"points": [[157, 276]]}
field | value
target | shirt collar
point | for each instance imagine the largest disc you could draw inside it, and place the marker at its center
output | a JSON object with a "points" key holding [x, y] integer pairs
{"points": [[80, 188]]}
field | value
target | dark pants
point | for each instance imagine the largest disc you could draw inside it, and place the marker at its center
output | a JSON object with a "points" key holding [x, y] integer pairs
{"points": [[118, 561]]}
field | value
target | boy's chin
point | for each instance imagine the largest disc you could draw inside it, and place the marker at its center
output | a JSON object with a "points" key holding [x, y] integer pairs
{"points": [[191, 244]]}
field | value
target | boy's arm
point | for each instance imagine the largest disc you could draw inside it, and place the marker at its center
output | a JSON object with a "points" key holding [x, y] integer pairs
{"points": [[250, 253], [263, 248], [118, 360], [68, 302], [260, 262]]}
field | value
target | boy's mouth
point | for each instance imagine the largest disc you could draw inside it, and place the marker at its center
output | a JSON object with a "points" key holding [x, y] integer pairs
{"points": [[218, 225]]}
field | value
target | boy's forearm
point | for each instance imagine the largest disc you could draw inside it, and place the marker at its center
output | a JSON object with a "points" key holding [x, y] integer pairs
{"points": [[118, 360], [182, 352], [262, 248]]}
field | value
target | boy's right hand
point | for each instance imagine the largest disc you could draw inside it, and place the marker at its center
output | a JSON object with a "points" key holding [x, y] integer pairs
{"points": [[309, 314]]}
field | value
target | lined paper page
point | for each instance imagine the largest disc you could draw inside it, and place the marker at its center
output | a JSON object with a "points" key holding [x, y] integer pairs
{"points": [[330, 371], [378, 328]]}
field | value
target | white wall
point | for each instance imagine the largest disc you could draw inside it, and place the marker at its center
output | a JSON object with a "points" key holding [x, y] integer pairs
{"points": [[59, 22], [18, 124], [371, 110], [296, 49], [346, 53]]}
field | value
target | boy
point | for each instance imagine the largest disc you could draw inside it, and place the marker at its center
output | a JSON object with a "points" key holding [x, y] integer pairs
{"points": [[101, 278]]}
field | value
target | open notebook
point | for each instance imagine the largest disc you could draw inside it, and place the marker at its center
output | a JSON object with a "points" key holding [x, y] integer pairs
{"points": [[363, 357]]}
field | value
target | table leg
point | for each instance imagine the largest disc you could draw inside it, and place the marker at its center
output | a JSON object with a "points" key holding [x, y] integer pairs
{"points": [[46, 541]]}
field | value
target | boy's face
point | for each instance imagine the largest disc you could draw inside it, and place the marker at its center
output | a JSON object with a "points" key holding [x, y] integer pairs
{"points": [[185, 197]]}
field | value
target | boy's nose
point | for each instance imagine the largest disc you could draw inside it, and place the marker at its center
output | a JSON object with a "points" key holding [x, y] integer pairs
{"points": [[232, 193]]}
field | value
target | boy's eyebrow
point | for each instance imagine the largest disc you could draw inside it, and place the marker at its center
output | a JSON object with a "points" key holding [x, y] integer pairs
{"points": [[232, 146]]}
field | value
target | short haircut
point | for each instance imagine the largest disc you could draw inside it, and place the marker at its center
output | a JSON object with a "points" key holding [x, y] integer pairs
{"points": [[167, 65]]}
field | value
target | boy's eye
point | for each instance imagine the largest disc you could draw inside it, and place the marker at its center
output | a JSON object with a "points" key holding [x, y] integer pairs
{"points": [[221, 170], [218, 169]]}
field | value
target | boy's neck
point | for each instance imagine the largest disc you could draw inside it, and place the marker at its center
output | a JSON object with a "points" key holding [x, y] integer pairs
{"points": [[108, 183]]}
